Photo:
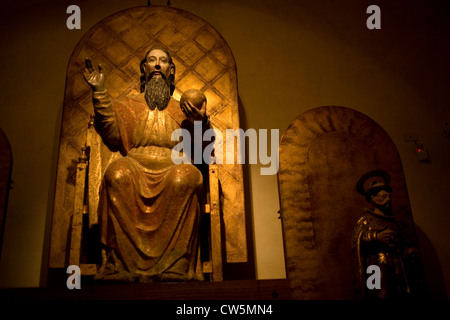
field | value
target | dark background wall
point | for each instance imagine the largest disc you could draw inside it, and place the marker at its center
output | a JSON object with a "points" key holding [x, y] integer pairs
{"points": [[291, 56]]}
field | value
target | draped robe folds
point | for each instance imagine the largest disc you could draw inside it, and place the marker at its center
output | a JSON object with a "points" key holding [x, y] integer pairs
{"points": [[368, 251], [149, 207]]}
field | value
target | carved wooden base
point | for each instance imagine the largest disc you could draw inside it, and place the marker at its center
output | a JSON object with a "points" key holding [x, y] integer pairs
{"points": [[277, 289]]}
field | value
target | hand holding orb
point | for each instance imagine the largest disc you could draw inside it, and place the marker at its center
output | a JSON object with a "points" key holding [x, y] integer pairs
{"points": [[193, 105]]}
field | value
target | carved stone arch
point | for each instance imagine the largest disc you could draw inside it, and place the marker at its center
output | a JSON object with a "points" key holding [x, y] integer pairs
{"points": [[322, 155], [119, 42]]}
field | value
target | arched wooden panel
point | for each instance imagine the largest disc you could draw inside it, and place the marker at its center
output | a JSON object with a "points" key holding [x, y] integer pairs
{"points": [[322, 154], [203, 61]]}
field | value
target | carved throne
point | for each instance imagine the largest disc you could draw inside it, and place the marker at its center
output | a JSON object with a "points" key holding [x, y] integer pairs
{"points": [[203, 61]]}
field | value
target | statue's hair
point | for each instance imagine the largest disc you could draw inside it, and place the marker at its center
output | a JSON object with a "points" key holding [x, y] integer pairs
{"points": [[172, 65]]}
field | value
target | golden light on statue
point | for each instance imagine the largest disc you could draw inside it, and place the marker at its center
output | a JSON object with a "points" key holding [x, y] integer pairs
{"points": [[196, 97]]}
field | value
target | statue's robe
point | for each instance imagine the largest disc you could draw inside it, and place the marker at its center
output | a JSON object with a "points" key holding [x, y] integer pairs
{"points": [[368, 251], [149, 207]]}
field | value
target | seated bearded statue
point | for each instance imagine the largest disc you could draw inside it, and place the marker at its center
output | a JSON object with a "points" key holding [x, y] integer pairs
{"points": [[149, 208]]}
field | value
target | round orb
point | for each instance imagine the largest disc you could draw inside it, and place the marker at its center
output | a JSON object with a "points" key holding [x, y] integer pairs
{"points": [[196, 97]]}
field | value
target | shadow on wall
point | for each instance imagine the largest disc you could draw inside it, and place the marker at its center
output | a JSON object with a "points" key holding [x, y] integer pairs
{"points": [[432, 267], [5, 180]]}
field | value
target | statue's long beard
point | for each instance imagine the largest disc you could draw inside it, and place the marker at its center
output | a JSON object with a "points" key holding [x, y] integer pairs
{"points": [[157, 93]]}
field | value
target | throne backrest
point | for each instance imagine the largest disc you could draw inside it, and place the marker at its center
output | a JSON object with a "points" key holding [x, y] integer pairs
{"points": [[119, 42]]}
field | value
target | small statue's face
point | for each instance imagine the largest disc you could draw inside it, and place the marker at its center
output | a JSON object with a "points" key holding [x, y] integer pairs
{"points": [[157, 64], [382, 200]]}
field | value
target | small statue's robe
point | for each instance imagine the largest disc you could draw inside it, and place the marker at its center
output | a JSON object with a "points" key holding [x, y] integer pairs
{"points": [[368, 251], [149, 207]]}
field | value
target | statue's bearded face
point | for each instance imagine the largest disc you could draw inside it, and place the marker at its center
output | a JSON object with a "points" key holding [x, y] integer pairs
{"points": [[158, 71]]}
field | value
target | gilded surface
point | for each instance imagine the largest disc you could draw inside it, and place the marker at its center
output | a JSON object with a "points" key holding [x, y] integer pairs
{"points": [[149, 207], [203, 61]]}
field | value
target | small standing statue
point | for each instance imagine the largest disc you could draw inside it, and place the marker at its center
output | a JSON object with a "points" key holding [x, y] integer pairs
{"points": [[377, 241]]}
